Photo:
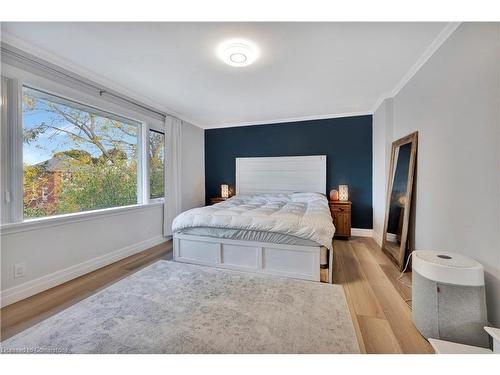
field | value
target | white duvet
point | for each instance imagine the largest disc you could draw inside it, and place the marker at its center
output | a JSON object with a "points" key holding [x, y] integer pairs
{"points": [[304, 215]]}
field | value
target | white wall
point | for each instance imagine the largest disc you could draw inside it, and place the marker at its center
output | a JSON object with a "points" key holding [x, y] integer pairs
{"points": [[453, 102], [193, 166], [54, 254]]}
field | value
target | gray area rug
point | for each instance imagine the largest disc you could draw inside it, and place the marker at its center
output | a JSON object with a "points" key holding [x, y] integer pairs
{"points": [[172, 307]]}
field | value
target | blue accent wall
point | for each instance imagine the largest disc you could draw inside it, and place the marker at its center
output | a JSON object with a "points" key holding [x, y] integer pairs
{"points": [[347, 142]]}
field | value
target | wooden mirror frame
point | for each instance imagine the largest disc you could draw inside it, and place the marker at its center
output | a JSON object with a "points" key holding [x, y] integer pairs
{"points": [[400, 258]]}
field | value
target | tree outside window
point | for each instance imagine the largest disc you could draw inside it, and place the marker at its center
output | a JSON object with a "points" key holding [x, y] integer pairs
{"points": [[75, 158]]}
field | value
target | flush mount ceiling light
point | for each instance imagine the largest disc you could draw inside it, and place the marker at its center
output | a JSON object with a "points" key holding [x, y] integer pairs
{"points": [[238, 52]]}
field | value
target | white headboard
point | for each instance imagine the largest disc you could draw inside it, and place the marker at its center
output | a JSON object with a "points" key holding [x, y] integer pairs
{"points": [[281, 174]]}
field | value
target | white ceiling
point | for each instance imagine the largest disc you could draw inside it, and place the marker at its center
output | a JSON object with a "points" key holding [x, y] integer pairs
{"points": [[306, 70]]}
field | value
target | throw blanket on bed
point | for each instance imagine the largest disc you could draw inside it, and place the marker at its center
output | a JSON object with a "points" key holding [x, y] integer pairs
{"points": [[304, 215]]}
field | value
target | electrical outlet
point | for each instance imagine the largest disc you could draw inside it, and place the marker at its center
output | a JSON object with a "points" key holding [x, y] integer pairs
{"points": [[19, 270]]}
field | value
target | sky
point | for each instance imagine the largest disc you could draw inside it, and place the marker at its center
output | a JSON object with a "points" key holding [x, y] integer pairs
{"points": [[47, 143]]}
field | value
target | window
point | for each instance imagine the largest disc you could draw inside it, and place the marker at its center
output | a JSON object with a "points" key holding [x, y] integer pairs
{"points": [[75, 158], [156, 157]]}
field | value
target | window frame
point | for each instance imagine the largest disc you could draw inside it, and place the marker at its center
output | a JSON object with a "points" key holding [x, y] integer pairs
{"points": [[11, 202]]}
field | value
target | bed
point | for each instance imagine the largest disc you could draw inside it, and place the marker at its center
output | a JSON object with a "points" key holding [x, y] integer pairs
{"points": [[277, 223]]}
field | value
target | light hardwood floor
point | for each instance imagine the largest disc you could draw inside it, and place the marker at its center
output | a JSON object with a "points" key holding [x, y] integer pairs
{"points": [[376, 299]]}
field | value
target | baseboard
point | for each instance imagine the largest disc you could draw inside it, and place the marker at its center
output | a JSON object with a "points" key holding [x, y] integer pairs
{"points": [[40, 284], [360, 232], [391, 237], [378, 238]]}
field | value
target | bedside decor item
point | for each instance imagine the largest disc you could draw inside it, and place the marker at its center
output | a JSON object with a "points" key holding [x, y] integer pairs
{"points": [[343, 192], [398, 201], [448, 297], [334, 195], [341, 216], [224, 191]]}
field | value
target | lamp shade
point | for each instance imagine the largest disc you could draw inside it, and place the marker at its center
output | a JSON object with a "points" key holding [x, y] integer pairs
{"points": [[334, 195], [402, 200], [343, 192], [224, 191]]}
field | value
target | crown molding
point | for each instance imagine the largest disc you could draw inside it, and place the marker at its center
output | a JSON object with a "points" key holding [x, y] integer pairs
{"points": [[287, 120], [63, 63], [447, 31]]}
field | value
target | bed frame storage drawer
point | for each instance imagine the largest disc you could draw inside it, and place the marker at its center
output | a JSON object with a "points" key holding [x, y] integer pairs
{"points": [[240, 256], [199, 251], [301, 262]]}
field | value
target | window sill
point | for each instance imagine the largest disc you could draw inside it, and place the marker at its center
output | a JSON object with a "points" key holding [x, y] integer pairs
{"points": [[46, 222]]}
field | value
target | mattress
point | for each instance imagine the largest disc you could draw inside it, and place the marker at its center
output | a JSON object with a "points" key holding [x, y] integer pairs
{"points": [[273, 216], [248, 235]]}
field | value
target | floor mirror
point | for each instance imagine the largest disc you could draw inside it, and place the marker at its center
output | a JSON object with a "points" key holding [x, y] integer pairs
{"points": [[399, 195]]}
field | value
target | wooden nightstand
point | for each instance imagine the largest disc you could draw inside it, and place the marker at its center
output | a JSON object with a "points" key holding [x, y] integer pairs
{"points": [[217, 200], [341, 214]]}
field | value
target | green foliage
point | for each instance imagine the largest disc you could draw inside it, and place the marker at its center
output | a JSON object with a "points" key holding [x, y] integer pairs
{"points": [[35, 212], [90, 187], [78, 155], [99, 186], [34, 179], [156, 181], [156, 152]]}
